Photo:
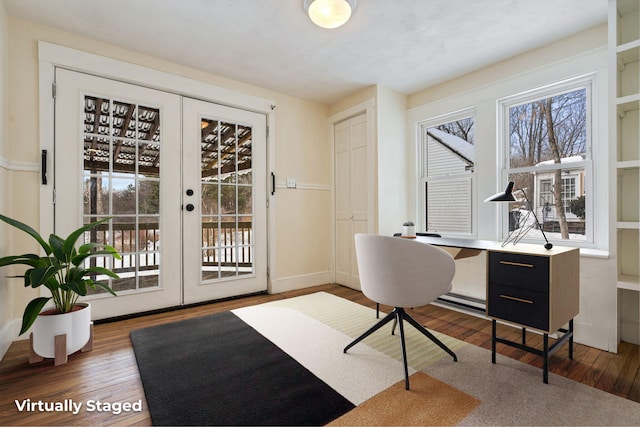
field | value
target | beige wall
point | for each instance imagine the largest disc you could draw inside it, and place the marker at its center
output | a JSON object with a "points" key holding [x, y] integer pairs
{"points": [[304, 213], [6, 290], [354, 99], [301, 151], [395, 197]]}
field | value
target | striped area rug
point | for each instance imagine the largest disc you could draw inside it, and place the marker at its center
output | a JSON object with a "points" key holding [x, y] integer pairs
{"points": [[315, 328], [282, 363]]}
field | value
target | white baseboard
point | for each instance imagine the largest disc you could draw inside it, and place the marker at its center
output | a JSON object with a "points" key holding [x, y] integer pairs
{"points": [[299, 282], [630, 331]]}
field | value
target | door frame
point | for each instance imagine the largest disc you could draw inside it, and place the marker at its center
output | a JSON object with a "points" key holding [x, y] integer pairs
{"points": [[368, 108], [51, 56]]}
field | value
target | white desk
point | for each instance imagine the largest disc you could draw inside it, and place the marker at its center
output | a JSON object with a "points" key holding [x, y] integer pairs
{"points": [[470, 256], [529, 286]]}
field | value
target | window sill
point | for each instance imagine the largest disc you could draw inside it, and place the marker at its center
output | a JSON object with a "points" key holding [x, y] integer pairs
{"points": [[594, 253]]}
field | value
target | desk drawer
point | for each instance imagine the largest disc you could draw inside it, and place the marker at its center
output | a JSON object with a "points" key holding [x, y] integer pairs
{"points": [[519, 271], [519, 306]]}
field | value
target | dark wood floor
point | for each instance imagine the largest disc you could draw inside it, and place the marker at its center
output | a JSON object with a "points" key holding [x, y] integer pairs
{"points": [[109, 372]]}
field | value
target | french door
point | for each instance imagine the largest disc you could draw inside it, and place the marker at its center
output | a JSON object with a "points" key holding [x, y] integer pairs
{"points": [[224, 197], [135, 154]]}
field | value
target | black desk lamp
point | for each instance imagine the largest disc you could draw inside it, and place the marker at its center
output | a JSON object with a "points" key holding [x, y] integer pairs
{"points": [[516, 235]]}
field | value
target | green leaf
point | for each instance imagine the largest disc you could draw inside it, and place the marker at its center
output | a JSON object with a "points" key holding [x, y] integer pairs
{"points": [[77, 260], [41, 275], [86, 248], [26, 259], [30, 231], [31, 312], [78, 287], [52, 284], [106, 288], [70, 242], [101, 270], [56, 243], [113, 250]]}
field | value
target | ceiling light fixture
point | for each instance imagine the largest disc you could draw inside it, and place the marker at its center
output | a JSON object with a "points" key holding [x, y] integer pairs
{"points": [[329, 13]]}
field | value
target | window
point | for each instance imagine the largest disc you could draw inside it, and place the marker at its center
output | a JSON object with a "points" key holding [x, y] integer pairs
{"points": [[547, 156], [447, 171]]}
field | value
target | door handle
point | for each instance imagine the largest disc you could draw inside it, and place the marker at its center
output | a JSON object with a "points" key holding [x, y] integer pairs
{"points": [[43, 168], [273, 183], [190, 207]]}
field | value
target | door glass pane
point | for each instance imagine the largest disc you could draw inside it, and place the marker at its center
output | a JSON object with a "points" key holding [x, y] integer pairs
{"points": [[226, 199], [121, 180]]}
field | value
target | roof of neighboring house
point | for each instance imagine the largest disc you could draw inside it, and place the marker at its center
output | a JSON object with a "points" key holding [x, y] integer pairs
{"points": [[459, 146], [570, 159]]}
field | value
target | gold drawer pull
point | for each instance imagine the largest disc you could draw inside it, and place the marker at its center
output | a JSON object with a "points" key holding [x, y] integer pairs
{"points": [[527, 301], [517, 264]]}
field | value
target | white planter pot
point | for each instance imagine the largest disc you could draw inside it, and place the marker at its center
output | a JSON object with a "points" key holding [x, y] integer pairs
{"points": [[75, 324], [409, 230]]}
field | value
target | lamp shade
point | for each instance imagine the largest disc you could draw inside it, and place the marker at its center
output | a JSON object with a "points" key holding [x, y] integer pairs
{"points": [[329, 13], [505, 196]]}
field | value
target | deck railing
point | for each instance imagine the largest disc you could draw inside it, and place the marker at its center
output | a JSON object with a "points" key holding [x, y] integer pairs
{"points": [[228, 245]]}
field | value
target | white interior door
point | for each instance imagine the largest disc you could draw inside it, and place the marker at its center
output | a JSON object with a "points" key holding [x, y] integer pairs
{"points": [[351, 195], [224, 198], [117, 151]]}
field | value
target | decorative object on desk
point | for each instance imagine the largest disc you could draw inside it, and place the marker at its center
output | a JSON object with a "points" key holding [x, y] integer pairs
{"points": [[518, 233], [408, 229], [65, 328]]}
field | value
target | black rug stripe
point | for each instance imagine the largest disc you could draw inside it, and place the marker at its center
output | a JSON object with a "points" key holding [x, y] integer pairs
{"points": [[217, 370]]}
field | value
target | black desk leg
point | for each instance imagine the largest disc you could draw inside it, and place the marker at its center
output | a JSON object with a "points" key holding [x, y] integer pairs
{"points": [[524, 336], [571, 339], [545, 362], [493, 341]]}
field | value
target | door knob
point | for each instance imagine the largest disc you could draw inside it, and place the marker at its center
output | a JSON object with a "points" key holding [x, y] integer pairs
{"points": [[190, 207]]}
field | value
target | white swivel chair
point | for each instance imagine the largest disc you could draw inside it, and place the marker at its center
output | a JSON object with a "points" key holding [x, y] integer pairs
{"points": [[402, 273]]}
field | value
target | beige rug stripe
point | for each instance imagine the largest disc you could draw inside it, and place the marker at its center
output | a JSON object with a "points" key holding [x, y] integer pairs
{"points": [[430, 402], [357, 377], [353, 319]]}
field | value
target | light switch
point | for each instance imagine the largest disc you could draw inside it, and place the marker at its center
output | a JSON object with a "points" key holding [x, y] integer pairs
{"points": [[291, 183]]}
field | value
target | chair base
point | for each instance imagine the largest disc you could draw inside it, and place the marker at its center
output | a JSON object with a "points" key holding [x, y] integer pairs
{"points": [[399, 314]]}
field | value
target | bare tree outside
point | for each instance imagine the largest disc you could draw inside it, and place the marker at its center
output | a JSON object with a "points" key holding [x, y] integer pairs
{"points": [[462, 128], [550, 131]]}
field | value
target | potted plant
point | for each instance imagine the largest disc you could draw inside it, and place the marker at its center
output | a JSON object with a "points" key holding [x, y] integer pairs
{"points": [[409, 229], [63, 272]]}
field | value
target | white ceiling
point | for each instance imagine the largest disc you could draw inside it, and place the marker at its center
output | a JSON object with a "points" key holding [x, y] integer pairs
{"points": [[404, 45]]}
